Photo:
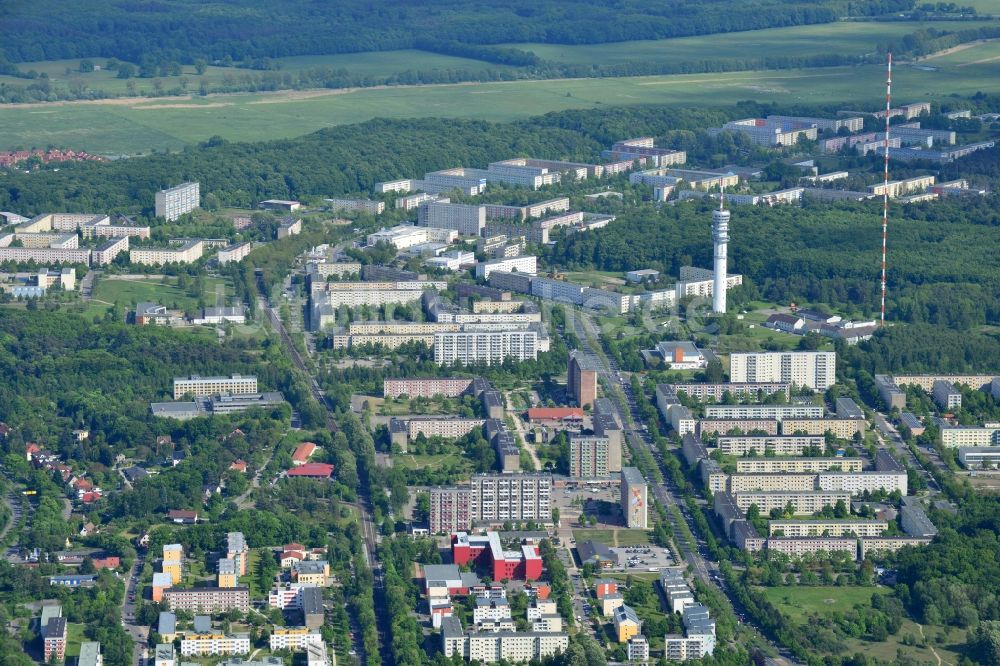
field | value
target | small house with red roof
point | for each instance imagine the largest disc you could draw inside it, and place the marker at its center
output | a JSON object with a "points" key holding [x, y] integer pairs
{"points": [[302, 453]]}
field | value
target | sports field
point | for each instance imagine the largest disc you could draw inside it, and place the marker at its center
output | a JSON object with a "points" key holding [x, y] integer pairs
{"points": [[132, 127]]}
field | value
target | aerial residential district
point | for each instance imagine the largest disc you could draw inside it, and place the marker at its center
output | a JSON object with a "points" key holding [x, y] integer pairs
{"points": [[401, 426]]}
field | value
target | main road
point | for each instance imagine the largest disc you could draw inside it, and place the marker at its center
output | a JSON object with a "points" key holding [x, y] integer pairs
{"points": [[666, 494], [364, 504]]}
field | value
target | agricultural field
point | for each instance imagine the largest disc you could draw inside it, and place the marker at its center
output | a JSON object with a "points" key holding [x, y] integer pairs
{"points": [[134, 127], [66, 74], [849, 38]]}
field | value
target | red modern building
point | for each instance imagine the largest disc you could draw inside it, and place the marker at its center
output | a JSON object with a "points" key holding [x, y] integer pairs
{"points": [[485, 551]]}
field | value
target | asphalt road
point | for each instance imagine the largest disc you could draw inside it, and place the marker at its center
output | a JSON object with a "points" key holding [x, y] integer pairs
{"points": [[665, 493], [138, 633]]}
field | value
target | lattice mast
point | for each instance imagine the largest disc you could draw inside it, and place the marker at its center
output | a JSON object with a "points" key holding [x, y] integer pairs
{"points": [[885, 180]]}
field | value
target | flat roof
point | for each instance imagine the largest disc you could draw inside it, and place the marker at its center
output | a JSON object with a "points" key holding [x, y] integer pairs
{"points": [[632, 476]]}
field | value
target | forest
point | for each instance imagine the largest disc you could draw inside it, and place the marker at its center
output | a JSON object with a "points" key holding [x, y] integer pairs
{"points": [[239, 29]]}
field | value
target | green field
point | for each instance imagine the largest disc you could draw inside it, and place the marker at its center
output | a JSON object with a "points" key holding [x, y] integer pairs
{"points": [[130, 291], [798, 603], [844, 38], [125, 127], [376, 65]]}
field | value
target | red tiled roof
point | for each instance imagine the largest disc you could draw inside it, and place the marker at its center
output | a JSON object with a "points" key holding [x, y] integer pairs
{"points": [[303, 451], [182, 513], [554, 413], [293, 546], [110, 562], [317, 470], [239, 465]]}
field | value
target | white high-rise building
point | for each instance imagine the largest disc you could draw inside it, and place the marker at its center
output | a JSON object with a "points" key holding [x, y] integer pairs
{"points": [[814, 369], [720, 242], [176, 201]]}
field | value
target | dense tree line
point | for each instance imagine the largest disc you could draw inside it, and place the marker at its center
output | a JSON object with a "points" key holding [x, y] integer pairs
{"points": [[250, 29]]}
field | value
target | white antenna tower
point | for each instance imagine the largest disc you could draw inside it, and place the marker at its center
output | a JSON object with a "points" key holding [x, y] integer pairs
{"points": [[885, 183]]}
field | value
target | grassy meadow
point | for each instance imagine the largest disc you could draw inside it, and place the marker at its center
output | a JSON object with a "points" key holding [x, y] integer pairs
{"points": [[849, 38]]}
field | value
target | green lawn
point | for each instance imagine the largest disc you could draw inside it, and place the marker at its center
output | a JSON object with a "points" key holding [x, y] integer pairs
{"points": [[844, 38], [173, 123], [798, 602], [411, 461], [74, 636], [130, 291]]}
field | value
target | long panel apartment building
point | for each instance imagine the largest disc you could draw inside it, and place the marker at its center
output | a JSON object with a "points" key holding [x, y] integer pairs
{"points": [[176, 201], [484, 347], [841, 428], [188, 253], [796, 465], [491, 499], [822, 527], [715, 392], [785, 445], [803, 503], [726, 426], [207, 600], [811, 369], [775, 412], [449, 387], [204, 386]]}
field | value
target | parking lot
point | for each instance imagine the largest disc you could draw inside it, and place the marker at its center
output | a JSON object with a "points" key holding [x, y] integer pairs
{"points": [[644, 558]]}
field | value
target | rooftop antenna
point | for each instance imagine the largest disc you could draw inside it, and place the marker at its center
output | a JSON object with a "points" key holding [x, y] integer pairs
{"points": [[885, 183], [722, 195]]}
